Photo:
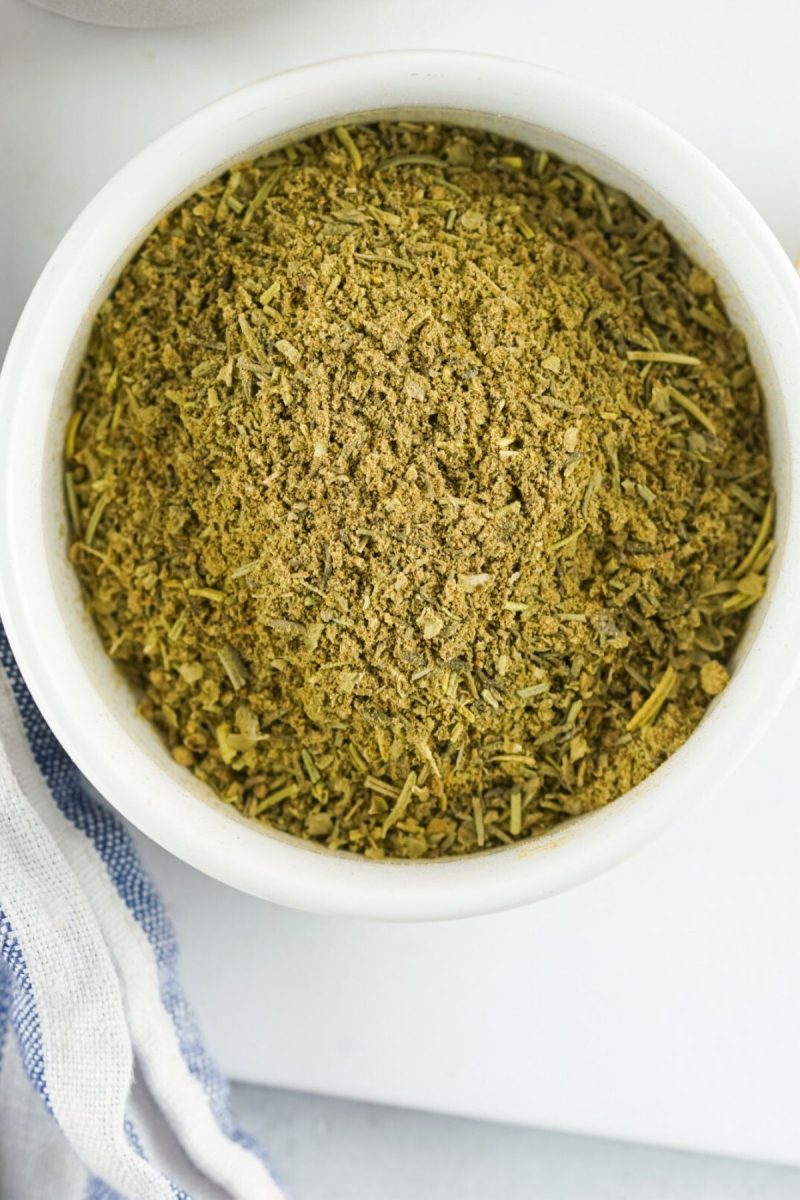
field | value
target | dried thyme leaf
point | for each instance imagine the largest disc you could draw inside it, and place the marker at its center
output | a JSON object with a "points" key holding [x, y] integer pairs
{"points": [[399, 417]]}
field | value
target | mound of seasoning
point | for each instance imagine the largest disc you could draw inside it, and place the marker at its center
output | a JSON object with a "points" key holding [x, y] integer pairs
{"points": [[420, 484]]}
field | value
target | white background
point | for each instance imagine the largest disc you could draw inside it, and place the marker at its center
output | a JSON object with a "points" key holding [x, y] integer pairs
{"points": [[659, 1003]]}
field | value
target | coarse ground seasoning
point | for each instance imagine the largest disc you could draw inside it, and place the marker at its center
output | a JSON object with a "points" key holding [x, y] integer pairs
{"points": [[420, 484]]}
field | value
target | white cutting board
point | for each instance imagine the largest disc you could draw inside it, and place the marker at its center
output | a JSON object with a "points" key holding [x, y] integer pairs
{"points": [[660, 1003]]}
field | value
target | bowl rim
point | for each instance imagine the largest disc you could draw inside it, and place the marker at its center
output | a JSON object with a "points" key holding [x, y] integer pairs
{"points": [[284, 870]]}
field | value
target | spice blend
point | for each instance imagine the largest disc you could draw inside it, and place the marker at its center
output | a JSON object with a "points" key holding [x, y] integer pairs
{"points": [[420, 483]]}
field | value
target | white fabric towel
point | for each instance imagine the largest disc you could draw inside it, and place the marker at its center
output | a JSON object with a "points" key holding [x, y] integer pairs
{"points": [[106, 1089]]}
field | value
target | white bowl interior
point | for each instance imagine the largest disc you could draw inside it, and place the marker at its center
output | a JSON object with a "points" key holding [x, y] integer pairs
{"points": [[121, 752]]}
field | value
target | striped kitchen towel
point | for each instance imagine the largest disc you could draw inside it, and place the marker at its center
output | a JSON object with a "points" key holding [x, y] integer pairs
{"points": [[106, 1089]]}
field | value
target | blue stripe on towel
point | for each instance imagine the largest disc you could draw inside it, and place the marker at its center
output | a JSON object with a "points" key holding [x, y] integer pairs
{"points": [[121, 860], [23, 1013], [5, 1009]]}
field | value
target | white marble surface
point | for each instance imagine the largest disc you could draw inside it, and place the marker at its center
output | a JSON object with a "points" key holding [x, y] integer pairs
{"points": [[659, 1003]]}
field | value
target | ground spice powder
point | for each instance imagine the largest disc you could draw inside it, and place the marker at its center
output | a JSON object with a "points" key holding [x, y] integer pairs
{"points": [[420, 483]]}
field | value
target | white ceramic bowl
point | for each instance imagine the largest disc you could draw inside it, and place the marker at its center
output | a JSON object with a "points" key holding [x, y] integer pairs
{"points": [[79, 690]]}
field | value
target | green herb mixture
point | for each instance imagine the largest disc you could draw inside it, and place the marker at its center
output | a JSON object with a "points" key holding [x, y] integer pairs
{"points": [[421, 485]]}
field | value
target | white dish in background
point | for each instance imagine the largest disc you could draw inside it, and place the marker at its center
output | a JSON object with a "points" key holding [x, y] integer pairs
{"points": [[80, 691], [147, 14]]}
